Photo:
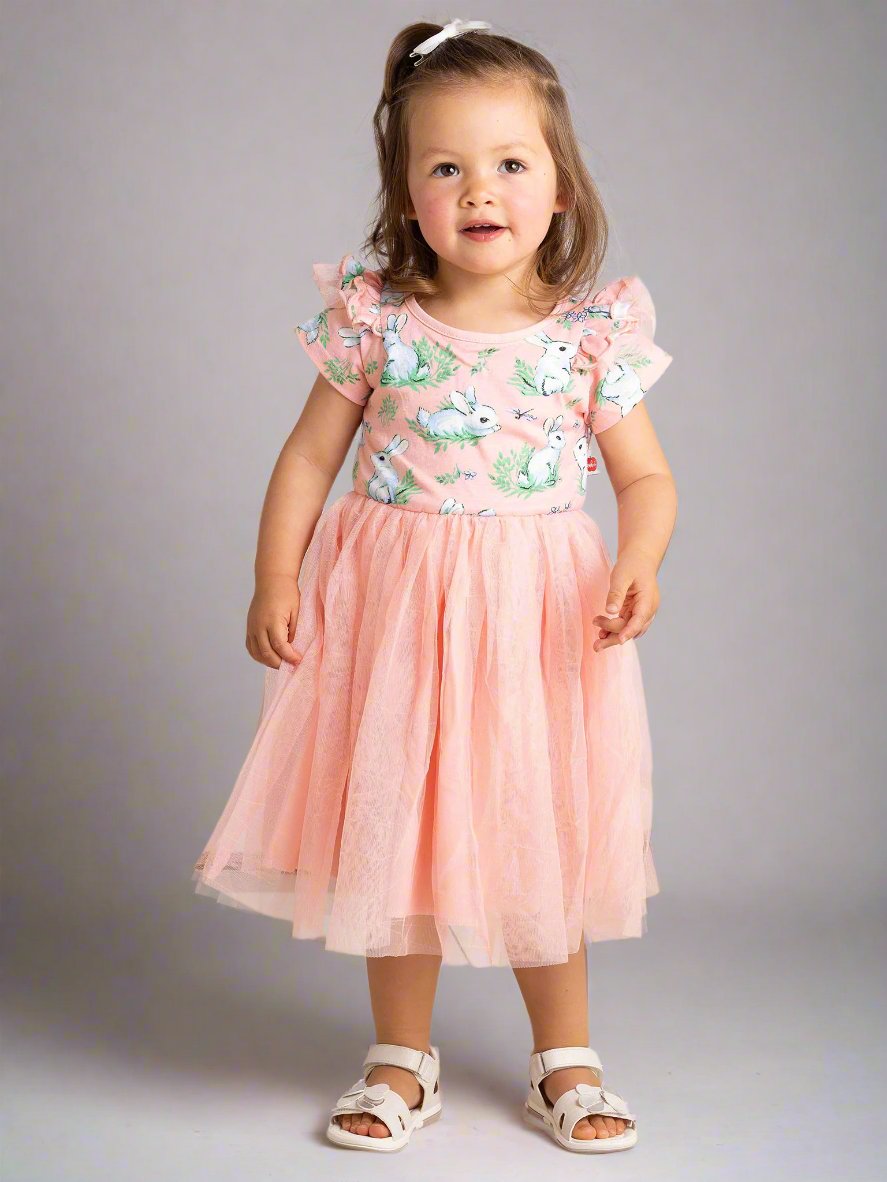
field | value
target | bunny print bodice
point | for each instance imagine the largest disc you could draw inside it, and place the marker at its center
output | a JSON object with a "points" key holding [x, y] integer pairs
{"points": [[481, 423]]}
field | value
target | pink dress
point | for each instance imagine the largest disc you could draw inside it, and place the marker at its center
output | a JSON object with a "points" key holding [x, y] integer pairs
{"points": [[451, 768]]}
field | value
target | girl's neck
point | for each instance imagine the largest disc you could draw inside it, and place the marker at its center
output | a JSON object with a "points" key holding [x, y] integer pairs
{"points": [[482, 303]]}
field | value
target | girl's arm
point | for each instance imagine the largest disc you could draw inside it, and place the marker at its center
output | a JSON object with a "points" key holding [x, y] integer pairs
{"points": [[642, 481], [302, 479], [646, 498], [298, 489]]}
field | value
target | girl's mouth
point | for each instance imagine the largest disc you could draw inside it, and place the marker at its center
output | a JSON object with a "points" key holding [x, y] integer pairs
{"points": [[483, 233]]}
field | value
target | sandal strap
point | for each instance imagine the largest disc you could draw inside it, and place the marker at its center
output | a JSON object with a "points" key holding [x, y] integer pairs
{"points": [[425, 1067], [542, 1063], [588, 1100], [380, 1102]]}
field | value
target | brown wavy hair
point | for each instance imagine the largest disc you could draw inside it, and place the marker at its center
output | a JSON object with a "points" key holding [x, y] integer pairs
{"points": [[570, 256]]}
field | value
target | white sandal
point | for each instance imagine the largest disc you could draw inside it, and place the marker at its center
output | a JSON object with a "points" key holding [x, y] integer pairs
{"points": [[387, 1105], [584, 1100]]}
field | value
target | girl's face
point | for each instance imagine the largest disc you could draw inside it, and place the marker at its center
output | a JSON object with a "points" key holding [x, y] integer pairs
{"points": [[478, 154]]}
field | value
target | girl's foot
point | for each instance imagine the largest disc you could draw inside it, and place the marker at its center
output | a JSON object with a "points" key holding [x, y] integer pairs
{"points": [[400, 1081], [558, 1082]]}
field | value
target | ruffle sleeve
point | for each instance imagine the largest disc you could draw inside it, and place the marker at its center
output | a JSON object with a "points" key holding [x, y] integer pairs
{"points": [[618, 345], [334, 339]]}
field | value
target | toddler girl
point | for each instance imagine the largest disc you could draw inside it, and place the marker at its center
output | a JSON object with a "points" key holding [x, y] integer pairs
{"points": [[452, 763]]}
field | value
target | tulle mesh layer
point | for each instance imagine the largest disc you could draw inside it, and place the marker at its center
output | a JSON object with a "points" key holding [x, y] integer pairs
{"points": [[451, 768]]}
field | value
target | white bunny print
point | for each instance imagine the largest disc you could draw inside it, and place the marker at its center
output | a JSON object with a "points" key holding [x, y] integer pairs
{"points": [[553, 369], [384, 485], [311, 328], [524, 405], [403, 360], [621, 386], [580, 455], [451, 505], [465, 419], [542, 467]]}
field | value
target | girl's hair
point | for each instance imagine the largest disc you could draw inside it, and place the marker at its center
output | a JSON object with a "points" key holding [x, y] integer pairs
{"points": [[570, 256]]}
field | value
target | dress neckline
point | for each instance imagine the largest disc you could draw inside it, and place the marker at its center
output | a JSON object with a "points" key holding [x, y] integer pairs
{"points": [[462, 334]]}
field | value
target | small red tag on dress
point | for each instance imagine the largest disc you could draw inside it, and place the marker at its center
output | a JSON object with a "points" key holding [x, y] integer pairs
{"points": [[591, 464]]}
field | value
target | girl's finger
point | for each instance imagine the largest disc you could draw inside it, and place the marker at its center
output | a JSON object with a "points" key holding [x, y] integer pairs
{"points": [[267, 655], [281, 645], [640, 617], [647, 625], [608, 640], [619, 587], [629, 632], [609, 623]]}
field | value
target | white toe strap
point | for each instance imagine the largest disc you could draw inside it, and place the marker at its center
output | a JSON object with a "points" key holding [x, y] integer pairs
{"points": [[377, 1100], [588, 1100]]}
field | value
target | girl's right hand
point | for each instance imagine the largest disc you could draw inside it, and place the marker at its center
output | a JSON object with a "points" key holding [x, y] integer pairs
{"points": [[271, 622]]}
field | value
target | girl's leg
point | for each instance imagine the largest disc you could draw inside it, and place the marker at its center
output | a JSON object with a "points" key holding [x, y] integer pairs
{"points": [[402, 990], [556, 997]]}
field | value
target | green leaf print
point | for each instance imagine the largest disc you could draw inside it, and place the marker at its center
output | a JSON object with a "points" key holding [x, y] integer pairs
{"points": [[323, 331], [340, 371], [354, 268], [449, 477], [442, 360], [635, 358], [481, 362], [387, 409], [371, 366], [509, 466], [522, 378], [423, 349], [407, 488]]}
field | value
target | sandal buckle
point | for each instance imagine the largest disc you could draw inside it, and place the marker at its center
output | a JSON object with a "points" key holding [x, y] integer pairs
{"points": [[591, 1098], [373, 1095]]}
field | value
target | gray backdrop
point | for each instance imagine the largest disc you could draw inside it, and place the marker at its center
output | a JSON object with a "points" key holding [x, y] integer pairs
{"points": [[171, 171]]}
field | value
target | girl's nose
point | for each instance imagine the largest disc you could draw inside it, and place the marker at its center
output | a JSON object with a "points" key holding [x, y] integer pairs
{"points": [[478, 195]]}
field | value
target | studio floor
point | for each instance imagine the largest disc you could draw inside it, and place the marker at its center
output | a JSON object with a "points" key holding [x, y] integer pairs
{"points": [[751, 1046]]}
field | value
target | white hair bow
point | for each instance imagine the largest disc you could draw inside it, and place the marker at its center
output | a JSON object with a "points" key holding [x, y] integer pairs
{"points": [[452, 29]]}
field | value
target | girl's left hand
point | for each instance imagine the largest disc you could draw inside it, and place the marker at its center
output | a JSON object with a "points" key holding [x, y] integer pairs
{"points": [[632, 601]]}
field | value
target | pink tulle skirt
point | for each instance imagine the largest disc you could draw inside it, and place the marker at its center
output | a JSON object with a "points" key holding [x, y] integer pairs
{"points": [[451, 768]]}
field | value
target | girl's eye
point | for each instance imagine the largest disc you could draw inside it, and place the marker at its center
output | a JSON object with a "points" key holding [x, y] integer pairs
{"points": [[511, 172]]}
